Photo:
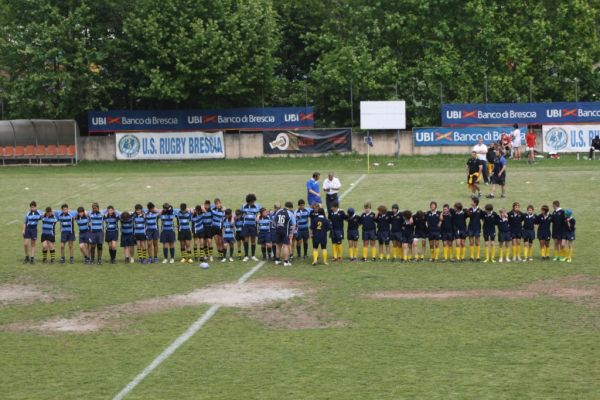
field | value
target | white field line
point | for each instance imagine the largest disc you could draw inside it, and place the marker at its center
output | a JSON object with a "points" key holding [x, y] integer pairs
{"points": [[14, 221], [363, 176], [195, 327]]}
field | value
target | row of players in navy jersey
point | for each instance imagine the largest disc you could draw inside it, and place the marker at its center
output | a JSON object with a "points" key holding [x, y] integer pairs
{"points": [[407, 233]]}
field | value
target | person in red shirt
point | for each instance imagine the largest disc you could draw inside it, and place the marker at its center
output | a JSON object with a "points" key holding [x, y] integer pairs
{"points": [[530, 141], [506, 143]]}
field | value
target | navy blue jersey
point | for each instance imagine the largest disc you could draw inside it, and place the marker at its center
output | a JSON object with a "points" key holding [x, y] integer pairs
{"points": [[66, 221], [383, 222], [139, 223], [459, 220], [48, 223], [433, 220], [111, 222], [83, 223], [367, 220], [475, 219], [127, 226], [515, 221], [544, 222], [302, 219], [503, 225], [264, 225], [152, 221], [284, 220], [337, 220], [408, 227], [238, 225], [490, 220], [320, 226], [396, 222], [529, 222], [184, 219], [32, 218], [198, 222], [499, 162], [249, 214], [420, 227], [228, 229], [558, 221], [96, 221], [570, 225], [353, 222], [218, 214], [447, 225], [167, 222]]}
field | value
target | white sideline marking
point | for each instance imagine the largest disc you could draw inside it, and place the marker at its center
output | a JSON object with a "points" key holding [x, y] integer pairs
{"points": [[195, 327], [355, 184], [14, 221]]}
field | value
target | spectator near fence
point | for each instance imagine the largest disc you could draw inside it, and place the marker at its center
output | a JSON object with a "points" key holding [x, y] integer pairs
{"points": [[515, 136], [530, 142], [481, 150]]}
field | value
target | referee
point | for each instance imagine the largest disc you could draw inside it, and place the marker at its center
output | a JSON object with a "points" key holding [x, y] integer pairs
{"points": [[331, 187]]}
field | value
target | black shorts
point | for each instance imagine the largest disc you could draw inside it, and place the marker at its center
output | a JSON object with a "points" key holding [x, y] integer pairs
{"points": [[528, 235], [319, 241], [49, 238], [111, 236], [264, 237], [167, 237], [396, 236], [504, 237], [460, 234], [435, 235], [184, 235], [249, 231], [557, 235], [568, 236], [447, 236], [30, 233], [96, 237], [302, 234], [228, 240], [473, 232], [498, 180], [152, 234], [208, 232], [67, 237], [543, 236], [337, 236], [407, 238], [84, 237], [140, 237], [199, 234], [353, 234], [282, 238], [489, 236], [369, 235], [516, 234], [127, 240], [238, 236], [383, 237]]}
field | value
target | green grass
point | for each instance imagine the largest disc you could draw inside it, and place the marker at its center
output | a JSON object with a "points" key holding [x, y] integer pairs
{"points": [[538, 348]]}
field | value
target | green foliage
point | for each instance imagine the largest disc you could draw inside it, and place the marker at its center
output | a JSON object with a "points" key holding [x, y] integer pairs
{"points": [[62, 58]]}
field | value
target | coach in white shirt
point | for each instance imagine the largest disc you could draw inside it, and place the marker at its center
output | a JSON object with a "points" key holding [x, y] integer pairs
{"points": [[331, 187], [516, 142], [481, 149]]}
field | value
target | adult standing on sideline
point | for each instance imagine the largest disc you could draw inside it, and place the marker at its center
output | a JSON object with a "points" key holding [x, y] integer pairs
{"points": [[331, 187], [515, 136], [312, 190], [481, 149], [498, 174], [530, 142]]}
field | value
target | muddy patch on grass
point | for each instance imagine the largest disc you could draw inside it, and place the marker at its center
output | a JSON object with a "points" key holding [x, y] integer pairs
{"points": [[249, 294], [295, 314], [13, 294], [581, 289]]}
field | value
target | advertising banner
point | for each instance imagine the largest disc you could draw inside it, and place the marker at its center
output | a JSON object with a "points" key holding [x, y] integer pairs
{"points": [[520, 113], [568, 138], [169, 146], [308, 141], [194, 120], [439, 136]]}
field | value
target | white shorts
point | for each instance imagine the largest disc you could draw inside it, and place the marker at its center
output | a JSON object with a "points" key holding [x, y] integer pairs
{"points": [[516, 145], [529, 148]]}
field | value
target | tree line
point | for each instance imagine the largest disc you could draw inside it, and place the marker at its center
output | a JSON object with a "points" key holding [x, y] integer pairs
{"points": [[62, 58]]}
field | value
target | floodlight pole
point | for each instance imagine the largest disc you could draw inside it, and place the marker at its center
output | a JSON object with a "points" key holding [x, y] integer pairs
{"points": [[351, 105]]}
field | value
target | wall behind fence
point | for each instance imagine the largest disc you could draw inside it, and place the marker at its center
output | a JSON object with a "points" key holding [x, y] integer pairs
{"points": [[250, 145]]}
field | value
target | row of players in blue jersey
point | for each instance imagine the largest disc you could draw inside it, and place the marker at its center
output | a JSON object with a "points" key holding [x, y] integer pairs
{"points": [[143, 228], [409, 233], [200, 227]]}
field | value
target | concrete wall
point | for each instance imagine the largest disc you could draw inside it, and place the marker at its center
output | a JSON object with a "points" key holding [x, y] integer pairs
{"points": [[249, 145]]}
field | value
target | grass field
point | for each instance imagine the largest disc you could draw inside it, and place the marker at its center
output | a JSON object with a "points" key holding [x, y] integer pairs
{"points": [[501, 331]]}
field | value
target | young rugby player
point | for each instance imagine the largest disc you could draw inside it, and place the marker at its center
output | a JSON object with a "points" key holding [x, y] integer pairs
{"points": [[369, 234], [208, 232], [96, 238], [490, 220], [264, 233], [558, 229], [83, 223], [353, 224], [504, 235], [498, 174], [302, 231], [67, 232], [407, 234], [239, 223], [284, 226], [474, 230], [459, 221], [167, 233], [152, 234], [337, 217], [139, 232], [569, 235], [544, 222], [433, 231], [528, 234], [420, 235], [515, 220], [49, 220], [474, 173], [228, 234], [127, 236], [184, 235], [382, 219], [218, 214], [447, 231], [198, 235], [111, 228], [396, 220], [250, 213], [319, 227], [30, 231]]}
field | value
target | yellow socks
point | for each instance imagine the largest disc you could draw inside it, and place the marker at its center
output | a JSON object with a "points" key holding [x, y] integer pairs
{"points": [[432, 253], [457, 253], [437, 253], [570, 252], [373, 251], [487, 253], [446, 252], [463, 251], [471, 251], [365, 252], [315, 256], [493, 252], [325, 256], [502, 252], [477, 252]]}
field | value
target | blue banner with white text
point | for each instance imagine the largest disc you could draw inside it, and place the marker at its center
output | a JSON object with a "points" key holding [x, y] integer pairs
{"points": [[193, 120], [520, 113], [439, 136]]}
